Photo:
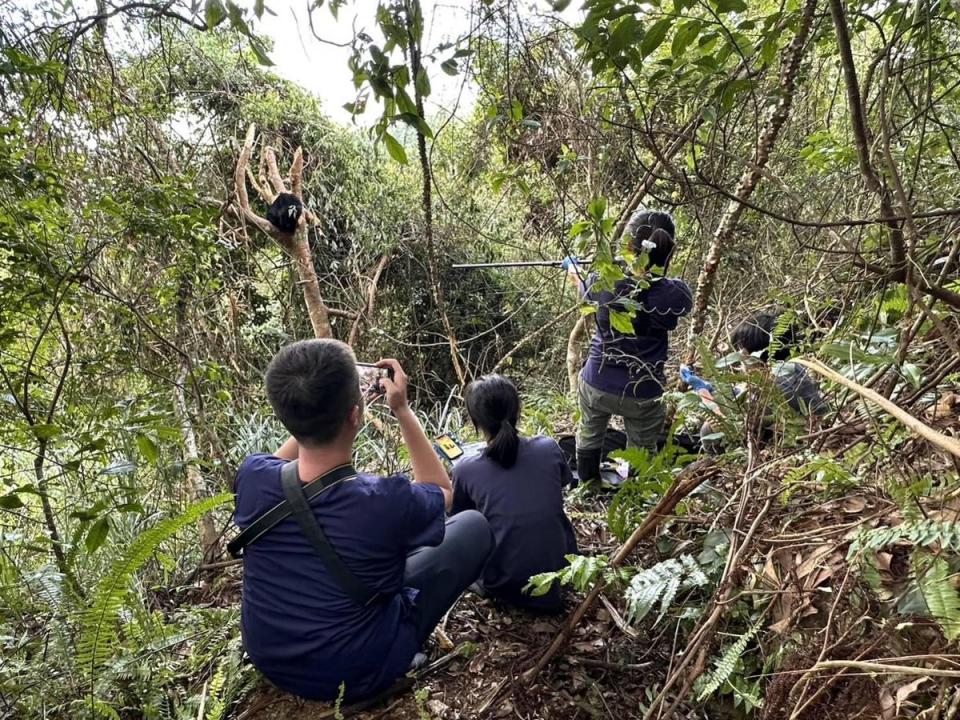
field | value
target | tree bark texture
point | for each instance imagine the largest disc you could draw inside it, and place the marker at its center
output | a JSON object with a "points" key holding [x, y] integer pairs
{"points": [[196, 486], [750, 177], [412, 7]]}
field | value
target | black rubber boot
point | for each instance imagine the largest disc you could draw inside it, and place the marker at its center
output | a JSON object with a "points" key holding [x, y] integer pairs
{"points": [[588, 465]]}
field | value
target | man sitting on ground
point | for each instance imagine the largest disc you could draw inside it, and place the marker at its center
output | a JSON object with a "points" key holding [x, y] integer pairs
{"points": [[346, 625]]}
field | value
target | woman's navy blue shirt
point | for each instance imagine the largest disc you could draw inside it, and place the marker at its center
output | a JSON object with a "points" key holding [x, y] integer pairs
{"points": [[299, 628], [524, 507], [632, 365]]}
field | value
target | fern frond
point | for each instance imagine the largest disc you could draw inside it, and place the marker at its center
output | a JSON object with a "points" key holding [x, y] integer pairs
{"points": [[923, 533], [98, 631], [726, 664], [662, 581], [933, 578]]}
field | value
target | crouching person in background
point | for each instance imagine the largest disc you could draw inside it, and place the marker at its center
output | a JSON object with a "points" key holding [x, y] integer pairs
{"points": [[758, 341], [343, 592], [517, 483]]}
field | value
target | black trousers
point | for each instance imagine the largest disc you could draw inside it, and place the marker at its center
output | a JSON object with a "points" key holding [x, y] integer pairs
{"points": [[442, 573]]}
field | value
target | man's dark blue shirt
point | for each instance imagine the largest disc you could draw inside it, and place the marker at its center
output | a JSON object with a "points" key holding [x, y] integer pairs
{"points": [[299, 627]]}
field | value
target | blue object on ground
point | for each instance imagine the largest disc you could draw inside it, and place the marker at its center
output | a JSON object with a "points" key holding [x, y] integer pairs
{"points": [[695, 382]]}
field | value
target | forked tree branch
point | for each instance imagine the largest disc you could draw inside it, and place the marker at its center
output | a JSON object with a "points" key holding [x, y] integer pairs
{"points": [[296, 244]]}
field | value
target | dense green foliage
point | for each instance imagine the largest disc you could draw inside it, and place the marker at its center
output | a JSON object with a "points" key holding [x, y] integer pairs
{"points": [[138, 310]]}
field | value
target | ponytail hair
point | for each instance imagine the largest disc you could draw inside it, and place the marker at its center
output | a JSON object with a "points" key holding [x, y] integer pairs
{"points": [[656, 227], [494, 407]]}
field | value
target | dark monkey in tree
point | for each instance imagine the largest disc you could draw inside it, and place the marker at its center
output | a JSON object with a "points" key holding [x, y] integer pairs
{"points": [[285, 211]]}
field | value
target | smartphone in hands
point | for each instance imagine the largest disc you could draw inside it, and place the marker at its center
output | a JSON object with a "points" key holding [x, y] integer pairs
{"points": [[370, 376]]}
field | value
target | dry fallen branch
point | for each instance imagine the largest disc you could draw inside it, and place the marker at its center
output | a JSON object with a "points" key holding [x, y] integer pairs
{"points": [[880, 669], [685, 483], [944, 442]]}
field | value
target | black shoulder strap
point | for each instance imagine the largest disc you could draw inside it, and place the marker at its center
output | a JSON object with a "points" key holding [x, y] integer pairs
{"points": [[281, 511], [310, 527]]}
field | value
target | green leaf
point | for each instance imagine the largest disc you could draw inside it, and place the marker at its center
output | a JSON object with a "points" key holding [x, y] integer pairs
{"points": [[579, 228], [597, 208], [726, 6], [450, 67], [624, 32], [10, 502], [395, 148], [655, 36], [621, 322], [236, 18], [98, 623], [423, 83], [913, 373], [404, 102], [559, 5], [45, 431], [417, 123], [97, 534], [148, 448], [258, 9], [260, 52], [214, 13], [726, 664], [934, 579], [685, 35]]}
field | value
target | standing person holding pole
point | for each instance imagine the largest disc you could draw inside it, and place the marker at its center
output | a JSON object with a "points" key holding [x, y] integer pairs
{"points": [[624, 372]]}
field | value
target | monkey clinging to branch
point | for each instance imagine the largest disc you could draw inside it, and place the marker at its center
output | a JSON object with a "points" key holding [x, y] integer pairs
{"points": [[285, 211], [286, 220]]}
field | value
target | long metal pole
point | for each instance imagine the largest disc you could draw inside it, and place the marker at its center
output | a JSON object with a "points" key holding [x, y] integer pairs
{"points": [[527, 263]]}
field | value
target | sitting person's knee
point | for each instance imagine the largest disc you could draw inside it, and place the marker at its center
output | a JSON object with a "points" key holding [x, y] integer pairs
{"points": [[473, 530]]}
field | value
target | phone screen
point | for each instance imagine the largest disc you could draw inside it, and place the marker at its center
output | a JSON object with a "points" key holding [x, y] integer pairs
{"points": [[370, 378], [449, 447]]}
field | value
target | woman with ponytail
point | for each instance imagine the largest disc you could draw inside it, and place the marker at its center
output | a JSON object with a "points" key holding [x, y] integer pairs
{"points": [[517, 483], [624, 373]]}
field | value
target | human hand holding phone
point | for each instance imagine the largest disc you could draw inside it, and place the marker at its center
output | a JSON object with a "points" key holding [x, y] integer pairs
{"points": [[427, 468], [394, 385]]}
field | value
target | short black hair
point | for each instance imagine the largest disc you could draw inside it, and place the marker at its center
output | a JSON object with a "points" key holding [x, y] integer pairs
{"points": [[657, 227], [312, 386], [759, 331]]}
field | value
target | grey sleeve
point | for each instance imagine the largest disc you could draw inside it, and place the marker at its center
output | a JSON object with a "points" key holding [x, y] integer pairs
{"points": [[802, 392]]}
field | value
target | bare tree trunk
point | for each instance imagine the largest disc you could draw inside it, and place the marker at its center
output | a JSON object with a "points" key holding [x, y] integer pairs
{"points": [[411, 7], [299, 249], [196, 487], [750, 178], [862, 138], [366, 315], [297, 246]]}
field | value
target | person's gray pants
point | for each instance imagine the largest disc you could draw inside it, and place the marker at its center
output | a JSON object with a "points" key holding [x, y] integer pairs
{"points": [[642, 418], [443, 572]]}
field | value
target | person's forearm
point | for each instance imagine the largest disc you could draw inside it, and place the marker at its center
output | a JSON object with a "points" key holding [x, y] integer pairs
{"points": [[427, 467], [290, 450]]}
